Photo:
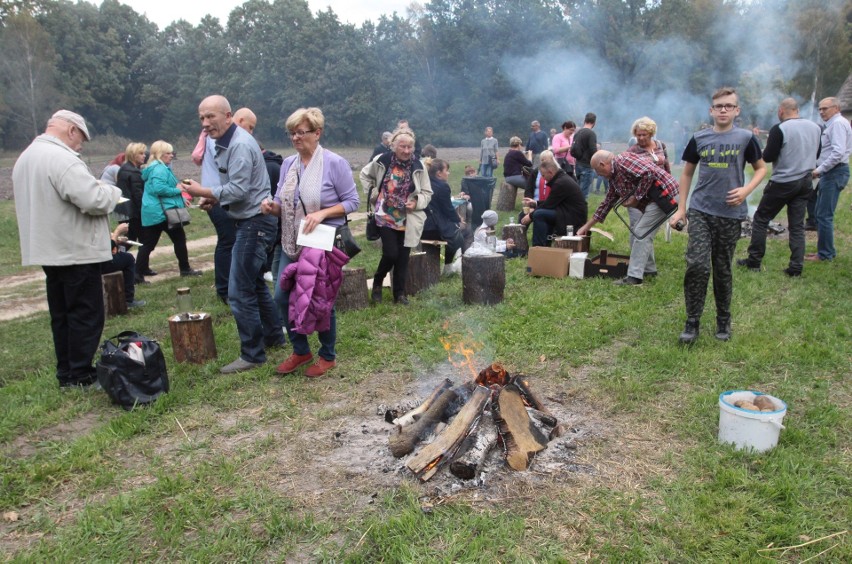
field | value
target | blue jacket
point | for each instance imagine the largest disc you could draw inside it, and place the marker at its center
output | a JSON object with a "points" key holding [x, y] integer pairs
{"points": [[161, 191]]}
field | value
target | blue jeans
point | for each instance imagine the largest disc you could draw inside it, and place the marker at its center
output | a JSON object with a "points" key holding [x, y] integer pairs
{"points": [[254, 311], [544, 224], [485, 169], [225, 235], [299, 341], [584, 176], [830, 185]]}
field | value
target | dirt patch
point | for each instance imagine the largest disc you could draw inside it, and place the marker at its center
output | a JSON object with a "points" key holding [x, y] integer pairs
{"points": [[28, 445]]}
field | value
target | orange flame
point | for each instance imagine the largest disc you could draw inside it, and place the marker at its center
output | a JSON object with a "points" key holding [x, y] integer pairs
{"points": [[461, 351]]}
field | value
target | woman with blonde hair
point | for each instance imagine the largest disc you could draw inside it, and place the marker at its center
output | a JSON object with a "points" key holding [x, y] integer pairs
{"points": [[514, 163], [404, 192], [129, 179], [315, 187], [162, 192]]}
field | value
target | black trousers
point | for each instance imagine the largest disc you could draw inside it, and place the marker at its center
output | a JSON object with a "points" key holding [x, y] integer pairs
{"points": [[776, 195], [125, 263], [151, 236], [76, 302], [394, 256]]}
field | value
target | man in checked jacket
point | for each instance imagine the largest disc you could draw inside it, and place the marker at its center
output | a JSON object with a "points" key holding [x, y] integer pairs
{"points": [[646, 187]]}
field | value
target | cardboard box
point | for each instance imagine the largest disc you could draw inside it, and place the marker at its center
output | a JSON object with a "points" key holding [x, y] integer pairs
{"points": [[607, 265], [547, 261]]}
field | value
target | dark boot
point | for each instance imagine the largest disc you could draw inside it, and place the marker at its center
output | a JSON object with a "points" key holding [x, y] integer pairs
{"points": [[690, 331], [376, 293], [723, 328]]}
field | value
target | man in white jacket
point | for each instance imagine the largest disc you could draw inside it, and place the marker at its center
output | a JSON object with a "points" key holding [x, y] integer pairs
{"points": [[63, 223]]}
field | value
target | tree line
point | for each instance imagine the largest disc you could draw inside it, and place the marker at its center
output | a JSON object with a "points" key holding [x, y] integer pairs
{"points": [[450, 66]]}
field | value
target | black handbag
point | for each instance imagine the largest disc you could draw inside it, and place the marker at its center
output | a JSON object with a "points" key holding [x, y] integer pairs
{"points": [[345, 241], [372, 229], [132, 370], [175, 217]]}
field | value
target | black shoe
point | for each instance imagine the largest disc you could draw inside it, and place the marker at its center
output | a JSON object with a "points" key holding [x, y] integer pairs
{"points": [[376, 294], [792, 273], [628, 281], [401, 300], [810, 226], [224, 299], [149, 272], [750, 265], [190, 272], [82, 384], [723, 328], [690, 331]]}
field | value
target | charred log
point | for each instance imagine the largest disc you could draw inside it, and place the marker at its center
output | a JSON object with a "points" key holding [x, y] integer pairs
{"points": [[434, 455], [494, 374], [413, 415], [521, 439], [532, 400], [404, 442], [474, 451]]}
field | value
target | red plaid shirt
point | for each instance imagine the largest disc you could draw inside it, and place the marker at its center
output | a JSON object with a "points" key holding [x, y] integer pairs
{"points": [[634, 174]]}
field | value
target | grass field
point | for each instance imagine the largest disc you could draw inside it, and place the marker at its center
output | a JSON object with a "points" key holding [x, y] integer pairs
{"points": [[248, 467]]}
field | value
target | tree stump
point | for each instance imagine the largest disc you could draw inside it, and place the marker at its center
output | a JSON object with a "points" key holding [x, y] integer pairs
{"points": [[433, 259], [115, 302], [518, 234], [508, 197], [353, 290], [483, 279], [423, 272], [192, 337]]}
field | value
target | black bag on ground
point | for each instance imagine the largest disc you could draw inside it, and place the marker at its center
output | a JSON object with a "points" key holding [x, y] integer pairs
{"points": [[132, 370]]}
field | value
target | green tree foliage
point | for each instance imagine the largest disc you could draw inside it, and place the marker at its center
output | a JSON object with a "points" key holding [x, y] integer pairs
{"points": [[450, 66]]}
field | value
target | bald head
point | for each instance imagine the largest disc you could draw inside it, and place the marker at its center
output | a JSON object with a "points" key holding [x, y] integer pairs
{"points": [[788, 108], [215, 115], [602, 163], [246, 119]]}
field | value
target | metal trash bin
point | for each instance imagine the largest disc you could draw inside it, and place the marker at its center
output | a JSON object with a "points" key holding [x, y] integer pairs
{"points": [[480, 189]]}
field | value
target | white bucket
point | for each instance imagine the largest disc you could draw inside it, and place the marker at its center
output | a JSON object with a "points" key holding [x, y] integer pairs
{"points": [[748, 429]]}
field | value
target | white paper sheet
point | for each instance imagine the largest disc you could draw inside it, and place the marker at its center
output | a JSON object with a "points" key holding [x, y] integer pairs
{"points": [[322, 237]]}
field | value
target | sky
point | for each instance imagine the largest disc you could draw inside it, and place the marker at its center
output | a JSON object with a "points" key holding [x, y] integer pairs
{"points": [[164, 12]]}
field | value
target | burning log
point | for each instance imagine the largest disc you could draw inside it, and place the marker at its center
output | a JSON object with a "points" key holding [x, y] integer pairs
{"points": [[434, 455], [413, 415], [521, 439], [475, 449], [531, 399], [493, 374], [403, 443]]}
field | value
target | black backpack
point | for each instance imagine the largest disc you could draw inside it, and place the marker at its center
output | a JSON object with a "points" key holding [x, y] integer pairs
{"points": [[128, 381]]}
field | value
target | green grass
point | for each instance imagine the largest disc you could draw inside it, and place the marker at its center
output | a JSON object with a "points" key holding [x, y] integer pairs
{"points": [[92, 482]]}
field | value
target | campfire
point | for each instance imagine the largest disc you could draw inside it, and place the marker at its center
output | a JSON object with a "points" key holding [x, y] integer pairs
{"points": [[458, 426]]}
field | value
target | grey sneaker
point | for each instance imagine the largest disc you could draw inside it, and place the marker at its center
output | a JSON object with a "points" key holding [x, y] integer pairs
{"points": [[136, 303], [239, 365]]}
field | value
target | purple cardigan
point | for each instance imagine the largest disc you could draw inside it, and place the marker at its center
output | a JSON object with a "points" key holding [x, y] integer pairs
{"points": [[338, 184]]}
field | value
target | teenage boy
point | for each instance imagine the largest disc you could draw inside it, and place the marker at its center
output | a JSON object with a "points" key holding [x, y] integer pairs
{"points": [[717, 207]]}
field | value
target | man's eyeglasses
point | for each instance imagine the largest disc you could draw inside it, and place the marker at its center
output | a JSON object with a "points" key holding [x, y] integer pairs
{"points": [[726, 107], [297, 134], [825, 109]]}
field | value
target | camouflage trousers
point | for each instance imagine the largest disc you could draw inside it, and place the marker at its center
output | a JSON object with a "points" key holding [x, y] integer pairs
{"points": [[712, 242]]}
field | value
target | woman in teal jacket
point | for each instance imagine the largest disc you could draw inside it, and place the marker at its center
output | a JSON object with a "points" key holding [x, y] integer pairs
{"points": [[162, 192]]}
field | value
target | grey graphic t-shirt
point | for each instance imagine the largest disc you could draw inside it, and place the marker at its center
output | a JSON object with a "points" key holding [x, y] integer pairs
{"points": [[721, 159]]}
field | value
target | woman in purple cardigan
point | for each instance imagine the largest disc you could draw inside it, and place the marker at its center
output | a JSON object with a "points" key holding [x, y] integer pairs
{"points": [[316, 186]]}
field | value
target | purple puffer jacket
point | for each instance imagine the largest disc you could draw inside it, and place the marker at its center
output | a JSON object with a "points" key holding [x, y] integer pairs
{"points": [[313, 282]]}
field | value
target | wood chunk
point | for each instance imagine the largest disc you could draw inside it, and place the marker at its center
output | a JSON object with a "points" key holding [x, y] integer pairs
{"points": [[483, 279], [518, 234], [508, 197], [521, 439], [404, 442], [475, 449], [413, 415], [192, 339], [533, 401], [115, 302], [353, 290], [434, 455], [493, 374]]}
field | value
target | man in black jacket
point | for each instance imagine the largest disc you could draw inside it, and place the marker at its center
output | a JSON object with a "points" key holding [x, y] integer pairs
{"points": [[584, 146], [563, 205]]}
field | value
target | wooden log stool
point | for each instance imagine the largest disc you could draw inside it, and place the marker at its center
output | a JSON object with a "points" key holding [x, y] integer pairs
{"points": [[483, 279], [433, 253], [353, 290], [192, 337], [518, 234], [115, 302], [420, 273], [508, 197], [581, 245]]}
